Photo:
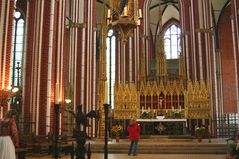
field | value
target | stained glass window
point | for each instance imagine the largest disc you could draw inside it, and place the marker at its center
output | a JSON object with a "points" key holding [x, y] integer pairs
{"points": [[17, 49], [172, 41], [110, 65]]}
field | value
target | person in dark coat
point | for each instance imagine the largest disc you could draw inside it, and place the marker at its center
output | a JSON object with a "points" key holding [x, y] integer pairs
{"points": [[134, 136]]}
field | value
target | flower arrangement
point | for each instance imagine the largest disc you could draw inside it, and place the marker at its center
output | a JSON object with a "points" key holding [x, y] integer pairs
{"points": [[117, 129], [177, 115], [145, 115], [200, 131]]}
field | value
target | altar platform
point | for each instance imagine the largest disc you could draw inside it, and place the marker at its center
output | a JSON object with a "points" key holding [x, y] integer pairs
{"points": [[164, 145], [158, 148]]}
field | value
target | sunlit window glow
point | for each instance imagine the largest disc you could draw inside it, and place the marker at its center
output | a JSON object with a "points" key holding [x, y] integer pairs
{"points": [[172, 42], [17, 49], [17, 15], [110, 65]]}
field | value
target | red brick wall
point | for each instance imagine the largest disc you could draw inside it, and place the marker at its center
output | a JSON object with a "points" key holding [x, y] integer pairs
{"points": [[30, 52], [0, 7], [196, 26], [44, 68], [186, 14], [54, 52], [227, 61], [28, 62], [8, 47], [79, 71], [235, 14]]}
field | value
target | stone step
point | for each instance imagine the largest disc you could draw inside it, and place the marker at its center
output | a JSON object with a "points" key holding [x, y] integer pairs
{"points": [[164, 148]]}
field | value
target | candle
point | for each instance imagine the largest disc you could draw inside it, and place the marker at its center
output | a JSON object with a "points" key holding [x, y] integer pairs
{"points": [[180, 109], [172, 108], [140, 13], [142, 109], [108, 14]]}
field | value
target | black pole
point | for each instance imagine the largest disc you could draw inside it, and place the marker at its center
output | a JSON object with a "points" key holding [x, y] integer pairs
{"points": [[72, 151], [18, 73], [106, 107], [89, 152], [14, 53], [110, 78], [56, 110]]}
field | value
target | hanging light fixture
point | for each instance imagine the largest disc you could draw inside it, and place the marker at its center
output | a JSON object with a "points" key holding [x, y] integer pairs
{"points": [[123, 16]]}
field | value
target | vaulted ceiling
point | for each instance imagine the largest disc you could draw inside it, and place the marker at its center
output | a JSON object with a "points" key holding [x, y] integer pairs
{"points": [[217, 7], [171, 11]]}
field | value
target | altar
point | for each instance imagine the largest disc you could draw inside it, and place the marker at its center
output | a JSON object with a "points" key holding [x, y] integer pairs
{"points": [[163, 126], [178, 102]]}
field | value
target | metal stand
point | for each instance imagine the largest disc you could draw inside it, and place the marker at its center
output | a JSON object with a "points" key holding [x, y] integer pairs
{"points": [[89, 152], [56, 111], [72, 151], [106, 107], [78, 151]]}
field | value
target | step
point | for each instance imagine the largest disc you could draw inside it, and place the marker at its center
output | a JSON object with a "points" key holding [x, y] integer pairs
{"points": [[164, 148]]}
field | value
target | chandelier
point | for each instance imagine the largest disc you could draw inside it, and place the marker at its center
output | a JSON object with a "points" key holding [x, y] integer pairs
{"points": [[123, 16]]}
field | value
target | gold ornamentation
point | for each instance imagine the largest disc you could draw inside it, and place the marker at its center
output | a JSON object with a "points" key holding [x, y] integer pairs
{"points": [[160, 128], [126, 102], [123, 16], [198, 100], [161, 57], [192, 101]]}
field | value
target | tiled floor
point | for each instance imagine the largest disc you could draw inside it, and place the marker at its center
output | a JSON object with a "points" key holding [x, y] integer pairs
{"points": [[143, 156]]}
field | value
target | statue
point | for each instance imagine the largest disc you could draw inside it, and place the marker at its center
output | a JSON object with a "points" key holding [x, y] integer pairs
{"points": [[80, 130]]}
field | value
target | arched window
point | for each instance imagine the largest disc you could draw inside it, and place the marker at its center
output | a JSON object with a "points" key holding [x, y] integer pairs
{"points": [[17, 49], [172, 41], [110, 65]]}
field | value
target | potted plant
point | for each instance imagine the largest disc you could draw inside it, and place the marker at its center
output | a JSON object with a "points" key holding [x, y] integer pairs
{"points": [[200, 132], [116, 131]]}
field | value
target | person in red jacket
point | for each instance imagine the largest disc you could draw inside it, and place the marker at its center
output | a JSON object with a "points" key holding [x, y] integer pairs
{"points": [[134, 136]]}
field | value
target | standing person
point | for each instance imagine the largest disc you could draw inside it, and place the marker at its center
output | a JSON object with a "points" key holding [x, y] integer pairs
{"points": [[134, 135], [9, 138]]}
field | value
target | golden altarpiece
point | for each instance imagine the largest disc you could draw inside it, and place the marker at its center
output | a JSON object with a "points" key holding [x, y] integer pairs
{"points": [[191, 100], [177, 99]]}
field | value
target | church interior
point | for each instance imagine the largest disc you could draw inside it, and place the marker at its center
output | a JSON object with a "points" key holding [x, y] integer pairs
{"points": [[78, 71]]}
